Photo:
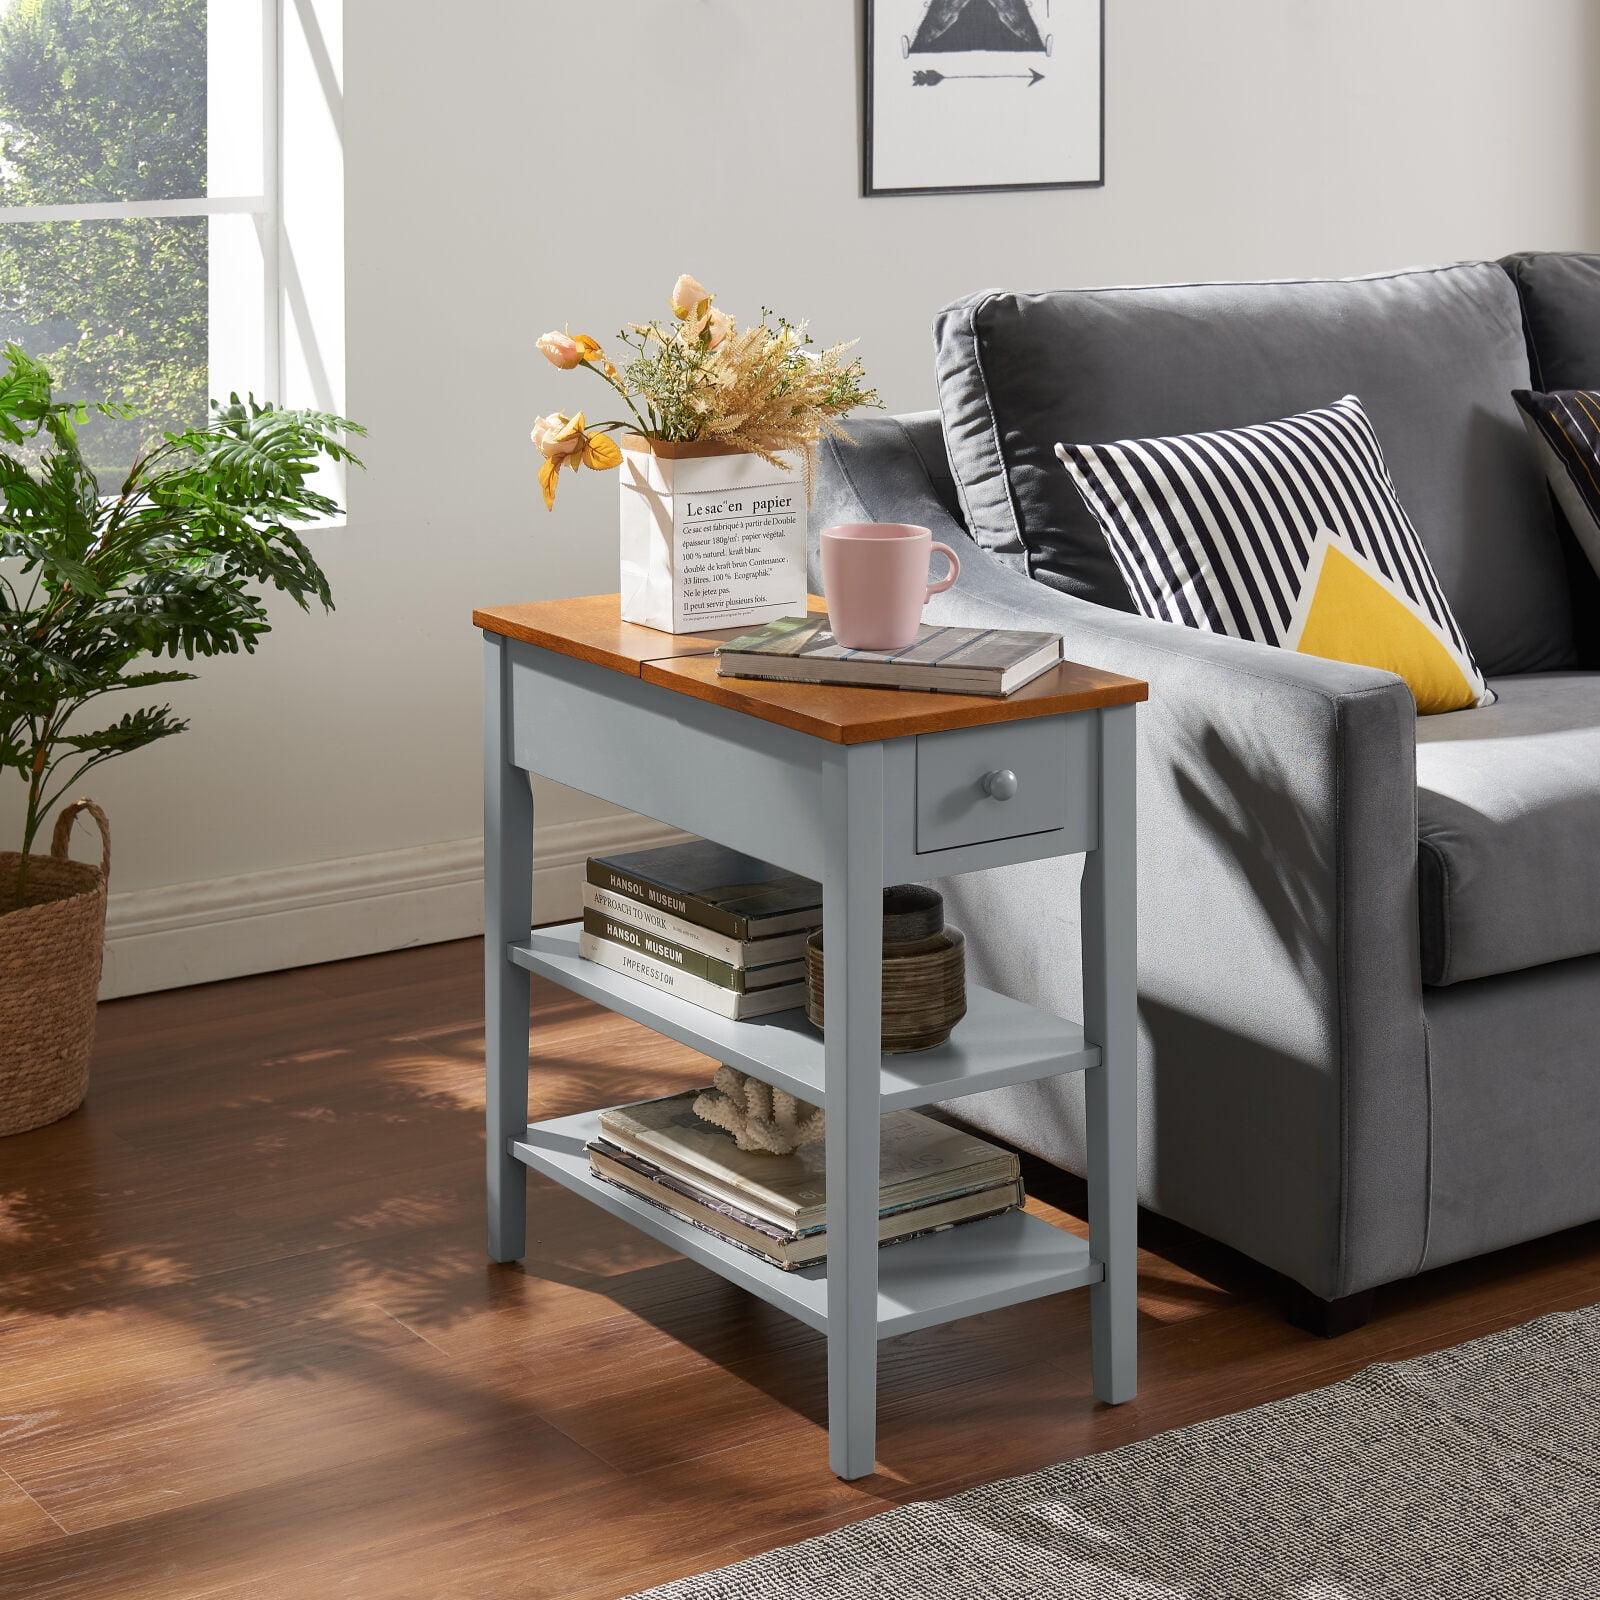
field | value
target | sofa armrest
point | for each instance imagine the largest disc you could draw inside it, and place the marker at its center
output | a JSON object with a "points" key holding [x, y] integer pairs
{"points": [[1284, 1061]]}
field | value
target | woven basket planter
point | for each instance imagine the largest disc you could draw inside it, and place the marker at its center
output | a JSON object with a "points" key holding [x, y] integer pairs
{"points": [[50, 952], [924, 971]]}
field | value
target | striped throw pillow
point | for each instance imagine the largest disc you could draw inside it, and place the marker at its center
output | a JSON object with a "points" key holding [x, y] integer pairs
{"points": [[1565, 429], [1289, 533]]}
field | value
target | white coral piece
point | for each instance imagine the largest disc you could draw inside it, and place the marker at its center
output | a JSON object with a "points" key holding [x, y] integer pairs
{"points": [[758, 1116]]}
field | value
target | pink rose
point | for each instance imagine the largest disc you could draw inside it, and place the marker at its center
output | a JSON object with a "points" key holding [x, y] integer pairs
{"points": [[555, 437], [690, 298], [560, 350]]}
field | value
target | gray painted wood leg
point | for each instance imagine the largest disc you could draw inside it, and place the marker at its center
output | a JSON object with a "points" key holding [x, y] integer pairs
{"points": [[507, 915], [852, 914], [1110, 1017]]}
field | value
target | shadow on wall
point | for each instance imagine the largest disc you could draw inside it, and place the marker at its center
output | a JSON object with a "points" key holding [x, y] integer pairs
{"points": [[303, 321]]}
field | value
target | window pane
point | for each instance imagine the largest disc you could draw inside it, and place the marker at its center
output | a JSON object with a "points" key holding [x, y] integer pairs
{"points": [[117, 310], [102, 100]]}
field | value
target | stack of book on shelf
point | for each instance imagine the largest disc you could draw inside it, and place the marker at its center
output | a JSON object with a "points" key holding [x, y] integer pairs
{"points": [[716, 928], [986, 661], [932, 1177]]}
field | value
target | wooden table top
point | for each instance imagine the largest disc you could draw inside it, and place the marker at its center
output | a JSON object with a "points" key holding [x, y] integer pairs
{"points": [[591, 628]]}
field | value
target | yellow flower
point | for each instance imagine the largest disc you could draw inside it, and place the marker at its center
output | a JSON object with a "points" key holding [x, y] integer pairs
{"points": [[561, 438], [589, 351]]}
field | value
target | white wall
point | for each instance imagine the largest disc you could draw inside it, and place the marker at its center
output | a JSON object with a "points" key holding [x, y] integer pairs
{"points": [[512, 166]]}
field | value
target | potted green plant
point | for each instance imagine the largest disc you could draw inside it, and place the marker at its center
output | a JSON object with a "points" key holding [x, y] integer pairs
{"points": [[94, 583]]}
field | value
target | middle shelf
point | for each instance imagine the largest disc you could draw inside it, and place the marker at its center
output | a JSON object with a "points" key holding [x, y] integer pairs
{"points": [[999, 1041]]}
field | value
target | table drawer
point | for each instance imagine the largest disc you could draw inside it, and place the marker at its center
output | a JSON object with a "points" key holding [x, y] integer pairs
{"points": [[975, 784]]}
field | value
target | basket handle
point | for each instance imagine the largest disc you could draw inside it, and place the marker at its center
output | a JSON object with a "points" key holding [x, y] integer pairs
{"points": [[69, 815]]}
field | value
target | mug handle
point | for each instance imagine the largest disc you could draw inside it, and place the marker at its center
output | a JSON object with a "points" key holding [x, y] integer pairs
{"points": [[950, 577]]}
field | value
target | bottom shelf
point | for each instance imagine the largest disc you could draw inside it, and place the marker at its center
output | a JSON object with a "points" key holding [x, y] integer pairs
{"points": [[975, 1267]]}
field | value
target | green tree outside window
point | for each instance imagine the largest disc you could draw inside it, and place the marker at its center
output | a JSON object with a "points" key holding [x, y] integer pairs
{"points": [[106, 100]]}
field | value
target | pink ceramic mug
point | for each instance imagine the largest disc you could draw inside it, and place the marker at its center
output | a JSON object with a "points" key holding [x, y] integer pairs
{"points": [[875, 577]]}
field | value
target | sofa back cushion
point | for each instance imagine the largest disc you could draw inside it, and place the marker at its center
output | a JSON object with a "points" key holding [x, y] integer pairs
{"points": [[1560, 293], [1561, 316], [1433, 354]]}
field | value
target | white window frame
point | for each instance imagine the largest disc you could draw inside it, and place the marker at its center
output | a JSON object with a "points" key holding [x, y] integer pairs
{"points": [[281, 336]]}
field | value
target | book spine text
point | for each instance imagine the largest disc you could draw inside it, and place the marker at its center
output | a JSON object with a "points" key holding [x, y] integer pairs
{"points": [[690, 907], [694, 962], [697, 991], [676, 929]]}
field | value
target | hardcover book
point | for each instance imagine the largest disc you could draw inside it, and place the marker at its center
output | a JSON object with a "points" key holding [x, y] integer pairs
{"points": [[782, 1247], [984, 661], [919, 1160], [764, 952], [741, 979], [697, 991], [714, 887]]}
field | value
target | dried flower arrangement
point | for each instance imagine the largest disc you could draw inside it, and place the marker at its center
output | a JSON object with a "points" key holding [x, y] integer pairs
{"points": [[701, 378]]}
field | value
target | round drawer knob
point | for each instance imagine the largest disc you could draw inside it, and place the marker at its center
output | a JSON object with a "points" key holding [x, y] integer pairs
{"points": [[1000, 785]]}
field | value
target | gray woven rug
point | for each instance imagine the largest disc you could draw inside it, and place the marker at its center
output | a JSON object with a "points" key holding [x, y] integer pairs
{"points": [[1474, 1472]]}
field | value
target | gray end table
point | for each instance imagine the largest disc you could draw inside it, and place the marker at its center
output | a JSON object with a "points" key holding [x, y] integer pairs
{"points": [[857, 788]]}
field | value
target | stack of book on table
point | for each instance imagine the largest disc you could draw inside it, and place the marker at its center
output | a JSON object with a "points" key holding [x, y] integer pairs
{"points": [[716, 928], [932, 1176], [985, 661]]}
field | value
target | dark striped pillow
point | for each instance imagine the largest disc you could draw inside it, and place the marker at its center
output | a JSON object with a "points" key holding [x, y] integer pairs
{"points": [[1565, 429], [1289, 533]]}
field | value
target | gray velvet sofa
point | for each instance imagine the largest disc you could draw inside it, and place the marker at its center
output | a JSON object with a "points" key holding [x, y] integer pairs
{"points": [[1369, 945]]}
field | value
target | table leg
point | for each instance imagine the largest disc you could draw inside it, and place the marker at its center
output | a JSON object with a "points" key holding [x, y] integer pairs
{"points": [[1110, 1018], [852, 913], [507, 916]]}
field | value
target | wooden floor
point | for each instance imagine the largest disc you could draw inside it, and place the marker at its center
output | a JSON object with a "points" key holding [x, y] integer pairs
{"points": [[250, 1345]]}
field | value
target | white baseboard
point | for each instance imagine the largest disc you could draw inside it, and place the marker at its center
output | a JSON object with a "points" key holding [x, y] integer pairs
{"points": [[327, 910]]}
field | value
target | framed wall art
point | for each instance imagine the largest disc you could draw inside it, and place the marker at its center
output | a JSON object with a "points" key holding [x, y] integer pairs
{"points": [[984, 94]]}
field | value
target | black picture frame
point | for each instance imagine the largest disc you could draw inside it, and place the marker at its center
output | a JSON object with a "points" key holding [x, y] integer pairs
{"points": [[871, 191]]}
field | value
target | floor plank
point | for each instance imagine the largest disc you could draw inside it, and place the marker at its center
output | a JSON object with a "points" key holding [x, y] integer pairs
{"points": [[250, 1346]]}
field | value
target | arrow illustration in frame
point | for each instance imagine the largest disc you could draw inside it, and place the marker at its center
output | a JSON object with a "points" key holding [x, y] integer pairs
{"points": [[929, 78]]}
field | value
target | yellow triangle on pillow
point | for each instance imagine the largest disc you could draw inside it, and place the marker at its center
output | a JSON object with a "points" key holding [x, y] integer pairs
{"points": [[1347, 612]]}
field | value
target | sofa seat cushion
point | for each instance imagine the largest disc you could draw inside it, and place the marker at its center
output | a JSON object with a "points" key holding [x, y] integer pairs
{"points": [[1508, 829]]}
